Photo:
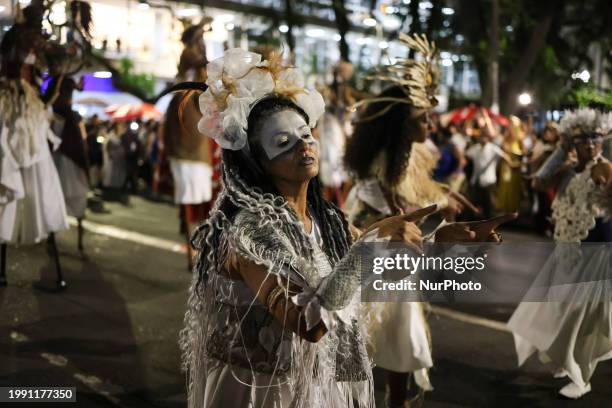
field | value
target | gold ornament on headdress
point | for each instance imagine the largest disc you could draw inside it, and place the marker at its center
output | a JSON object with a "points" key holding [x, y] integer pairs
{"points": [[419, 78], [275, 66]]}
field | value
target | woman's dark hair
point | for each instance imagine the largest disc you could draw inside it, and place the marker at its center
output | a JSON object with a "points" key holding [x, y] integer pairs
{"points": [[381, 130], [247, 176]]}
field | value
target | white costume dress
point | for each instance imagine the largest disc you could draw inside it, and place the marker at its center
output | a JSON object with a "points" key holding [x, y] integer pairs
{"points": [[74, 185], [31, 199], [271, 368], [398, 332], [192, 181], [233, 386], [114, 171], [572, 331]]}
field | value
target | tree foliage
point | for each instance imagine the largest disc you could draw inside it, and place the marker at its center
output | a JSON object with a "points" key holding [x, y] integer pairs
{"points": [[541, 43], [143, 82], [587, 95]]}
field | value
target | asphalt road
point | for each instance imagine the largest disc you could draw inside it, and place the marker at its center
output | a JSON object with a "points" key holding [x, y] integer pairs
{"points": [[113, 333]]}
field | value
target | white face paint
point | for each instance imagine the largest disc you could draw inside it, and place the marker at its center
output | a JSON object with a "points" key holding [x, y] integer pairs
{"points": [[282, 131]]}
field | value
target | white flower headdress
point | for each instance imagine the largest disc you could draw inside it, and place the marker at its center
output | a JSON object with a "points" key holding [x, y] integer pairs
{"points": [[236, 82]]}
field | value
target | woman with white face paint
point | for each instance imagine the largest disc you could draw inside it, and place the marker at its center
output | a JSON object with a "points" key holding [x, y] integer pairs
{"points": [[570, 329], [272, 320]]}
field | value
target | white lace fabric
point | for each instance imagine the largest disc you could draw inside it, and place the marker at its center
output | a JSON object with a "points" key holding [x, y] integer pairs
{"points": [[576, 207]]}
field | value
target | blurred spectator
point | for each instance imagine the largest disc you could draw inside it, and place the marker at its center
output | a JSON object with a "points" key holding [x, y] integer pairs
{"points": [[509, 190], [94, 129], [114, 169], [332, 139], [542, 149], [147, 156], [459, 142], [131, 146], [543, 146], [484, 156], [450, 157]]}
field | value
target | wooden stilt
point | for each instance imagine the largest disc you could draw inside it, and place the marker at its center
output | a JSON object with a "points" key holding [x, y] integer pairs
{"points": [[3, 264], [61, 283], [80, 234]]}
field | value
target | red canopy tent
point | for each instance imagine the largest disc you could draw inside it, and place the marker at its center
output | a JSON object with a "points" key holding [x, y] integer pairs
{"points": [[460, 115], [122, 113]]}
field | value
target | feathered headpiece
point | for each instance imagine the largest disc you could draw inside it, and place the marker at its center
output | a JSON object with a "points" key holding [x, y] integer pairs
{"points": [[584, 121], [419, 78], [236, 82], [606, 124]]}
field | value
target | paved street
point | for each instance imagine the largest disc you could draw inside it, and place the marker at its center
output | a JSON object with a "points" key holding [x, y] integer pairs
{"points": [[113, 333]]}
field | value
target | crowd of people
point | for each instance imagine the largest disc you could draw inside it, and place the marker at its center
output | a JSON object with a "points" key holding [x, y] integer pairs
{"points": [[122, 155], [494, 165], [490, 164]]}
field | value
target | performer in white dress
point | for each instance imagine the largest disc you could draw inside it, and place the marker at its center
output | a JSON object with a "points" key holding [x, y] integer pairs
{"points": [[31, 201], [272, 320], [392, 168], [573, 330]]}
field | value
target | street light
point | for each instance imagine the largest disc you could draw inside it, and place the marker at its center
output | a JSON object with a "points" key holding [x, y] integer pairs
{"points": [[524, 99], [283, 28], [369, 22], [584, 76], [102, 74]]}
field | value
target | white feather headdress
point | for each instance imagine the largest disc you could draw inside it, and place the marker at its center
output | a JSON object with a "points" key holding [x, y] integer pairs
{"points": [[584, 121]]}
